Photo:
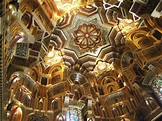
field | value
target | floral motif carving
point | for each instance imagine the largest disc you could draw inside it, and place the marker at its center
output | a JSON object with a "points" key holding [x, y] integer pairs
{"points": [[87, 36]]}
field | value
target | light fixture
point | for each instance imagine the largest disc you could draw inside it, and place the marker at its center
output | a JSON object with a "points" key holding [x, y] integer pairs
{"points": [[50, 54], [53, 57], [67, 5], [101, 65]]}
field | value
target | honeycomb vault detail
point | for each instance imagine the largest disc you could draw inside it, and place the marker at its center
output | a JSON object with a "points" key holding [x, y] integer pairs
{"points": [[91, 61]]}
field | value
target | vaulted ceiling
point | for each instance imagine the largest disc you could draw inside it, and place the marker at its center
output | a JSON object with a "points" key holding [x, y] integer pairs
{"points": [[68, 60]]}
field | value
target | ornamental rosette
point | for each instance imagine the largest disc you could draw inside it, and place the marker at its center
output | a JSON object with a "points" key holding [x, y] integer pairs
{"points": [[87, 36]]}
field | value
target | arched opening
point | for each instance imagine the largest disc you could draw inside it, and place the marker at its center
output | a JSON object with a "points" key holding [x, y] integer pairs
{"points": [[151, 103], [27, 19], [27, 100], [134, 105], [125, 109], [54, 105], [60, 118], [111, 88], [115, 112]]}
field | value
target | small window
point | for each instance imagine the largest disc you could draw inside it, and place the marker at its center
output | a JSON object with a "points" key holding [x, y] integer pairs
{"points": [[125, 109], [44, 81], [157, 34], [54, 104], [115, 112]]}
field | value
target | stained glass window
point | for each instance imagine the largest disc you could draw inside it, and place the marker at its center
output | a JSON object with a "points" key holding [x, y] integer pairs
{"points": [[73, 114], [157, 87]]}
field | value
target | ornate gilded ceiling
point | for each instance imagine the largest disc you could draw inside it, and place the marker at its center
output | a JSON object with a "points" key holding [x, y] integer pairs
{"points": [[69, 60]]}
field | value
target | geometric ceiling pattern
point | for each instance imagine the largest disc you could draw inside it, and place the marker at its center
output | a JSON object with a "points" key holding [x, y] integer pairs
{"points": [[81, 60], [84, 35], [87, 35]]}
